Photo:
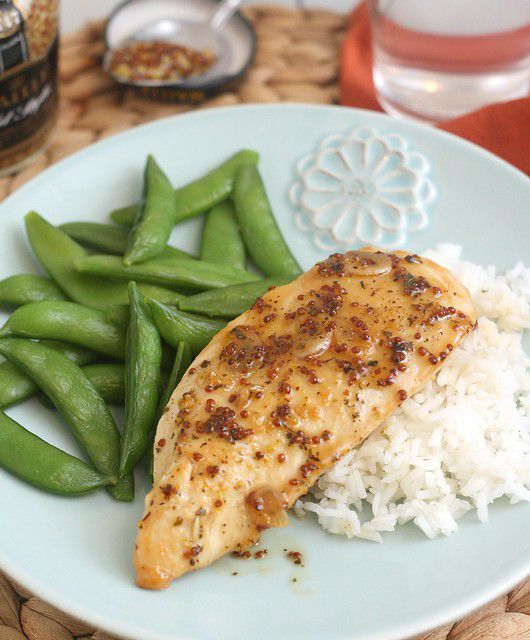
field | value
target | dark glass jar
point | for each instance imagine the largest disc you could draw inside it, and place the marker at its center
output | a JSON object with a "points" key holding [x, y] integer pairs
{"points": [[28, 79]]}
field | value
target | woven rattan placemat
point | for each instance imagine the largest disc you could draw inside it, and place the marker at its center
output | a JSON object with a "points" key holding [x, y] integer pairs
{"points": [[297, 61]]}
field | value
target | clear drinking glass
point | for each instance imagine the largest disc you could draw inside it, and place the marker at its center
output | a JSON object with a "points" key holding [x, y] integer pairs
{"points": [[438, 59]]}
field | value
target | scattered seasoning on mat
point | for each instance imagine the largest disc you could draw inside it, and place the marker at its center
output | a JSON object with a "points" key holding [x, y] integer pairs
{"points": [[158, 60]]}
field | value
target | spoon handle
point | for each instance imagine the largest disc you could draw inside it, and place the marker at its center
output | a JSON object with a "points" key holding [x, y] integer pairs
{"points": [[224, 12]]}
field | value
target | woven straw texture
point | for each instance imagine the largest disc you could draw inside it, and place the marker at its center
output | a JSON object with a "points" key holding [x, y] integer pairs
{"points": [[297, 61]]}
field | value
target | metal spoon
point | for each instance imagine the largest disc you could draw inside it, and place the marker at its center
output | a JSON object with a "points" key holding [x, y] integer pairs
{"points": [[205, 36]]}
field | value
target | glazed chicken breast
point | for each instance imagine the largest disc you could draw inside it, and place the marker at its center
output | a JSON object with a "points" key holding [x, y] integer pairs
{"points": [[283, 392]]}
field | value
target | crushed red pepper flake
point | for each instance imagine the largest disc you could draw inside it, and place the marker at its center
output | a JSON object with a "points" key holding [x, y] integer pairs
{"points": [[158, 60]]}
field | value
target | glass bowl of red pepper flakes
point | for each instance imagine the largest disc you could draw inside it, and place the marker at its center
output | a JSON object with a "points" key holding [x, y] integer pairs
{"points": [[166, 70]]}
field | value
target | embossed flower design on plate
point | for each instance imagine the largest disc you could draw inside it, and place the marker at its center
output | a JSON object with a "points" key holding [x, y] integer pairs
{"points": [[362, 188]]}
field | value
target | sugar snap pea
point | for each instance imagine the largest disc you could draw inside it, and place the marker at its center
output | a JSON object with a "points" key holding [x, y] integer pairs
{"points": [[24, 288], [74, 396], [176, 326], [39, 463], [155, 218], [259, 229], [168, 357], [80, 355], [200, 195], [108, 380], [118, 315], [180, 365], [142, 380], [124, 216], [190, 274], [230, 302], [221, 240], [56, 252], [15, 386], [68, 321], [107, 238]]}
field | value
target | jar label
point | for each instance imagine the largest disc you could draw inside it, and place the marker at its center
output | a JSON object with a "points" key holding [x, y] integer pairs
{"points": [[13, 45], [28, 77]]}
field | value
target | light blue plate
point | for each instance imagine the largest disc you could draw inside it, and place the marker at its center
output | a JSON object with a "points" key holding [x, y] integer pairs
{"points": [[76, 553]]}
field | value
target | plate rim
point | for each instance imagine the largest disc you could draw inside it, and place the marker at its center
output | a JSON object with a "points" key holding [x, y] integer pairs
{"points": [[427, 622], [287, 106]]}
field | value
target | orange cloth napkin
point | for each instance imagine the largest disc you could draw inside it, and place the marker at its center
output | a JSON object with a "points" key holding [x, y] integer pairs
{"points": [[503, 128]]}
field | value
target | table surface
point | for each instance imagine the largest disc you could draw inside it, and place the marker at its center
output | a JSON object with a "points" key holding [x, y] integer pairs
{"points": [[74, 13]]}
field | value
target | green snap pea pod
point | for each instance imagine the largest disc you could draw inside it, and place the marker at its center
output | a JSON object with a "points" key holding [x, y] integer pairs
{"points": [[106, 238], [259, 229], [182, 362], [39, 463], [68, 321], [156, 216], [108, 380], [74, 396], [124, 490], [73, 352], [142, 380], [118, 315], [176, 326], [124, 216], [230, 302], [57, 252], [23, 288], [221, 240], [200, 195], [15, 386], [190, 274], [168, 357]]}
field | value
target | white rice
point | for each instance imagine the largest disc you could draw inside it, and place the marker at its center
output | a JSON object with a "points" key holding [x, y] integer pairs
{"points": [[459, 444]]}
